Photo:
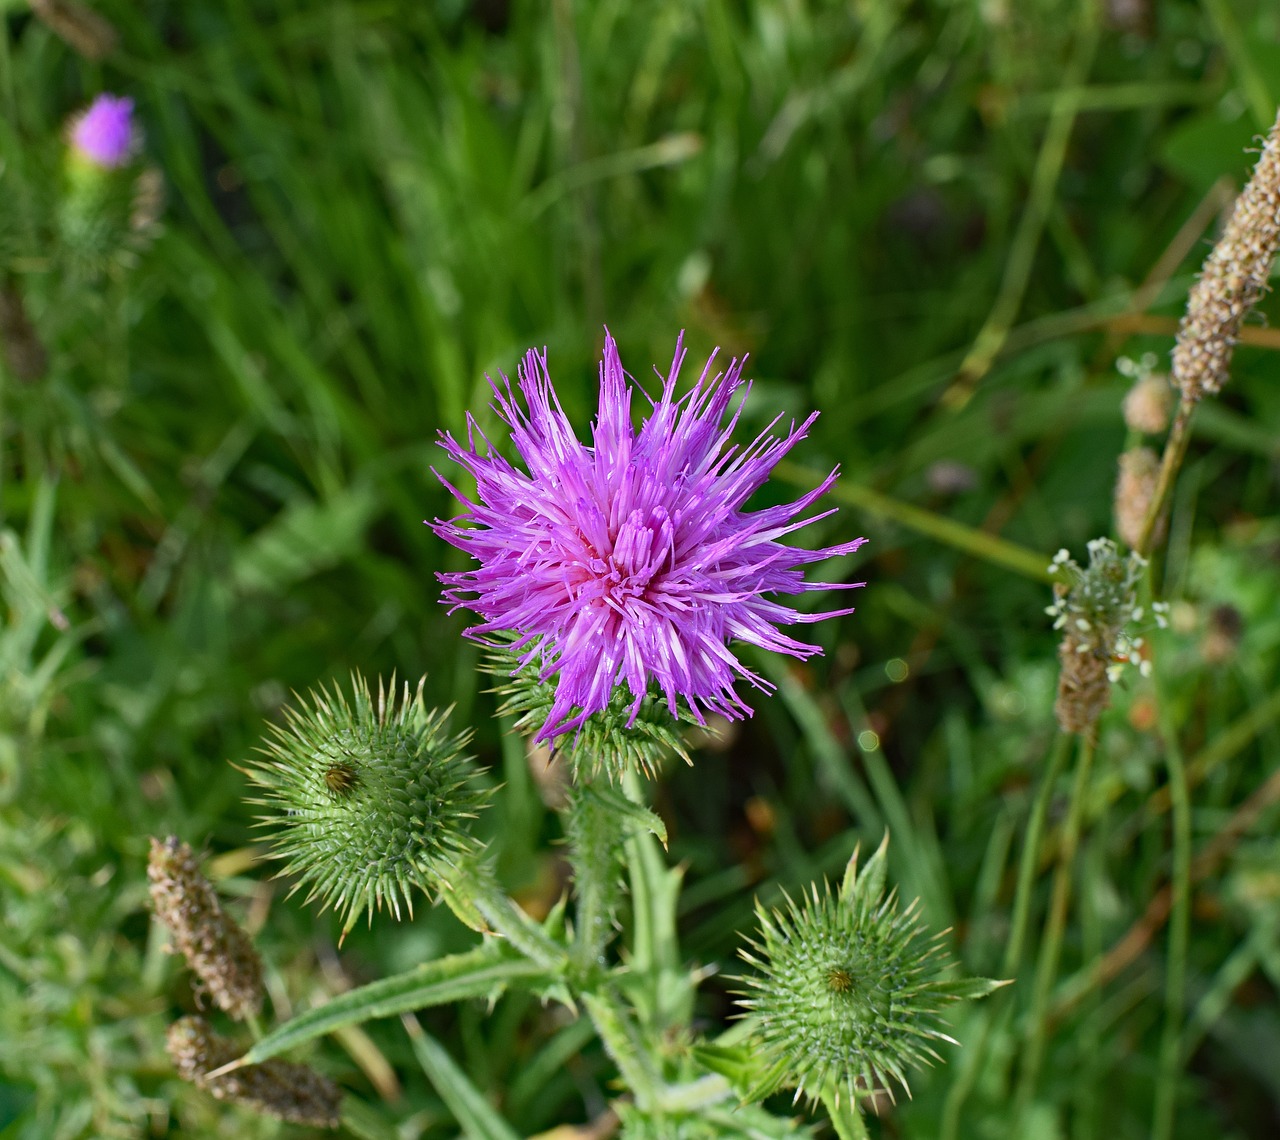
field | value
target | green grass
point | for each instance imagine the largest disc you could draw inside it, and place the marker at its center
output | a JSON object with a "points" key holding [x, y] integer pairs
{"points": [[918, 219]]}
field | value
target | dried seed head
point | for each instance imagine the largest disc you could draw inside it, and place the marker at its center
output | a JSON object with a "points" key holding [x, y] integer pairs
{"points": [[1096, 609], [213, 943], [848, 989], [1148, 403], [147, 206], [81, 27], [1232, 281], [280, 1089], [370, 798], [1135, 489]]}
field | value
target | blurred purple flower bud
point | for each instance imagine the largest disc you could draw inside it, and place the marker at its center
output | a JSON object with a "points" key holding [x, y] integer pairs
{"points": [[103, 134]]}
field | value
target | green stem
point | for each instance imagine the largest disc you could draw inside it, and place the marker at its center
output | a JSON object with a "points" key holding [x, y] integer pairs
{"points": [[846, 1117], [625, 1044], [1175, 449], [1170, 1059], [476, 889], [594, 835], [1051, 946], [1030, 857], [972, 1062], [696, 1096]]}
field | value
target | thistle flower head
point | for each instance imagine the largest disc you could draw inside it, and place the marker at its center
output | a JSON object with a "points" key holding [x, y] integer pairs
{"points": [[631, 563], [216, 948], [280, 1089], [848, 988], [103, 134], [369, 799]]}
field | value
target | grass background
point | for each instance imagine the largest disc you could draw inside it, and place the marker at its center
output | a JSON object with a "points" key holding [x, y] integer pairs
{"points": [[939, 223]]}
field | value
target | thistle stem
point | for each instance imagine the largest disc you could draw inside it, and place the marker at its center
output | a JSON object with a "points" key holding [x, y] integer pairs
{"points": [[594, 836], [476, 888], [1055, 926], [625, 1044]]}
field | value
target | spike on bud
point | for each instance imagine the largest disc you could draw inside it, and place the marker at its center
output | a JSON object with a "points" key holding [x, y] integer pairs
{"points": [[610, 742], [216, 948], [848, 988], [368, 798]]}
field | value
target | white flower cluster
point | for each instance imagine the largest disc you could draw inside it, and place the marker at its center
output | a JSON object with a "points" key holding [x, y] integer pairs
{"points": [[1098, 606]]}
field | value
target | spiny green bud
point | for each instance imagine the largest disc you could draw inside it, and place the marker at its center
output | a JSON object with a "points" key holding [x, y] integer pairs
{"points": [[369, 798], [214, 945], [280, 1089], [610, 742], [849, 989]]}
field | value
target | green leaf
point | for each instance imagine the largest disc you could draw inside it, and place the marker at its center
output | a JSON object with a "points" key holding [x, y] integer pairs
{"points": [[477, 1117], [634, 814], [303, 539], [476, 973], [967, 989], [868, 885]]}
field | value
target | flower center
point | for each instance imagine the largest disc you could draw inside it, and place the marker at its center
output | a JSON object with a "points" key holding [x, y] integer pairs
{"points": [[643, 548]]}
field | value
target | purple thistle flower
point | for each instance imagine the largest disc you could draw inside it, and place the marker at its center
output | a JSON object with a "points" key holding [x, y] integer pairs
{"points": [[632, 559], [103, 133]]}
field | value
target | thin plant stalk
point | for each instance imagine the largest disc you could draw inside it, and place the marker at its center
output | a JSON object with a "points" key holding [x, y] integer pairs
{"points": [[1055, 927], [1170, 1057], [1175, 450], [1029, 860]]}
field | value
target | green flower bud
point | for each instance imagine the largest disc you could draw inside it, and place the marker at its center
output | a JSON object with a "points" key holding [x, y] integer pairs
{"points": [[848, 989], [609, 743], [370, 799]]}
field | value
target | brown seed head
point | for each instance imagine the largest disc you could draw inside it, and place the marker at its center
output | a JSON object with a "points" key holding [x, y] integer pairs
{"points": [[280, 1089], [214, 945], [1232, 281], [1135, 488], [80, 27], [1084, 689], [1148, 403]]}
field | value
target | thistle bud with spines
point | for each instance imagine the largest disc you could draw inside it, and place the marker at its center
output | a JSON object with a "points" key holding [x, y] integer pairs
{"points": [[848, 989], [369, 799]]}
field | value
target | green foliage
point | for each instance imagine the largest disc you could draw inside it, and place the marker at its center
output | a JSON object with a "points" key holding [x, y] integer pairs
{"points": [[214, 465]]}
